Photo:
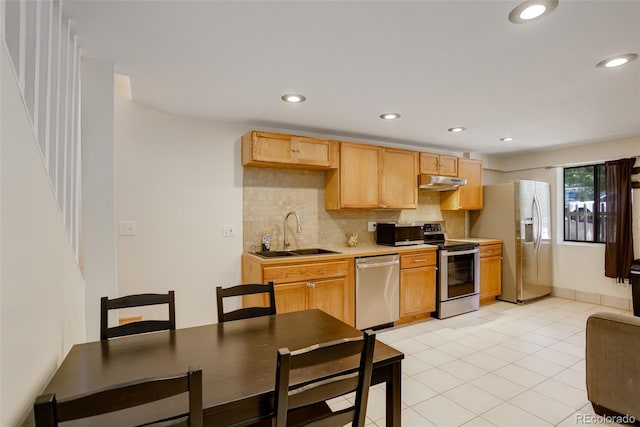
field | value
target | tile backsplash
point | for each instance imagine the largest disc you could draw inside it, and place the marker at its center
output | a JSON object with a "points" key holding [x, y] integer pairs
{"points": [[269, 194]]}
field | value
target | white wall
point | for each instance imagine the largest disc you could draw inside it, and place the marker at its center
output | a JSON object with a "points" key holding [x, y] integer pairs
{"points": [[41, 287], [98, 237], [577, 266], [180, 179]]}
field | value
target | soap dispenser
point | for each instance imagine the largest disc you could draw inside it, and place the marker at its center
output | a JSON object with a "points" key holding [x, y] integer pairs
{"points": [[266, 240]]}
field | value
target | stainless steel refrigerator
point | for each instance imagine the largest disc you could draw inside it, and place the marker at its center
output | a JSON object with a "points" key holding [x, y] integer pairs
{"points": [[519, 214]]}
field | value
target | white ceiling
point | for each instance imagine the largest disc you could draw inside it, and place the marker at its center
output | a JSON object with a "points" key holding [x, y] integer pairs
{"points": [[438, 63]]}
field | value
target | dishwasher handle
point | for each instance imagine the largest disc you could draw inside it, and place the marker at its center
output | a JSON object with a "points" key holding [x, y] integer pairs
{"points": [[378, 264]]}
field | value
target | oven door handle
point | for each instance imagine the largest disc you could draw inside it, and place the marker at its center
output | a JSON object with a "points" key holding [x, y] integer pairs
{"points": [[465, 252]]}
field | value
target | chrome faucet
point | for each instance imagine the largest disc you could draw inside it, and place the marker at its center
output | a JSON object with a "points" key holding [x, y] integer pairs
{"points": [[286, 239]]}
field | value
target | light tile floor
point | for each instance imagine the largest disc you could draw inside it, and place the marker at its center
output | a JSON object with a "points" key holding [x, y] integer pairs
{"points": [[503, 365]]}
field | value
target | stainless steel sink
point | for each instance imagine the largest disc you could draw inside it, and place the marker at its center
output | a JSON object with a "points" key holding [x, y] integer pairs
{"points": [[313, 251], [295, 252], [274, 254]]}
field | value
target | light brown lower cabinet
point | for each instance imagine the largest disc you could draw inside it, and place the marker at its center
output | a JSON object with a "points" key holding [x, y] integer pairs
{"points": [[325, 294], [327, 285], [417, 285], [490, 271]]}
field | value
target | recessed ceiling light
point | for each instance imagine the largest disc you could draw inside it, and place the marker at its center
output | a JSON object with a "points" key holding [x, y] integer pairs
{"points": [[507, 139], [390, 116], [457, 129], [293, 98], [531, 10], [616, 61]]}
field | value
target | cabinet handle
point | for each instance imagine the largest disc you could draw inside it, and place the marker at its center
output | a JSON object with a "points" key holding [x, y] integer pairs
{"points": [[490, 251], [382, 206], [419, 260], [312, 285]]}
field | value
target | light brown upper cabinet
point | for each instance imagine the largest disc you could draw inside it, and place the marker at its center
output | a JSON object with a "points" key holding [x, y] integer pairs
{"points": [[372, 177], [356, 182], [435, 164], [399, 183], [469, 196], [265, 149]]}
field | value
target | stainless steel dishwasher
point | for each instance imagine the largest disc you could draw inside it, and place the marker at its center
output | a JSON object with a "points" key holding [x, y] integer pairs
{"points": [[377, 290]]}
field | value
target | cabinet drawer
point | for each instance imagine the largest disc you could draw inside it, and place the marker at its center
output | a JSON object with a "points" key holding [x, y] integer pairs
{"points": [[494, 249], [417, 260], [304, 272]]}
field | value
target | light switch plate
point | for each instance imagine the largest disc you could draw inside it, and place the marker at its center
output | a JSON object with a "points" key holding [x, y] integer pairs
{"points": [[371, 226], [228, 230], [127, 228]]}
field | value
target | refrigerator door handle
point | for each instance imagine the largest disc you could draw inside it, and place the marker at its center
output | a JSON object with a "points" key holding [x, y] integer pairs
{"points": [[538, 236]]}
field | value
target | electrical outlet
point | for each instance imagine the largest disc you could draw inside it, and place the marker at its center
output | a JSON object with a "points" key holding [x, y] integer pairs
{"points": [[227, 230], [127, 228], [371, 226]]}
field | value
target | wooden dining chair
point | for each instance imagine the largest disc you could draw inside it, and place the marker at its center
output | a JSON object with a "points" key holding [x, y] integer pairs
{"points": [[49, 412], [138, 327], [246, 312], [304, 403]]}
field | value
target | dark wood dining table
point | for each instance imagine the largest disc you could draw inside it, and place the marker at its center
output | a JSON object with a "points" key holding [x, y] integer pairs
{"points": [[237, 359]]}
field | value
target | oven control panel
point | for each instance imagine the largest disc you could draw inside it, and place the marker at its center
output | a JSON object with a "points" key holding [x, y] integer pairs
{"points": [[433, 227]]}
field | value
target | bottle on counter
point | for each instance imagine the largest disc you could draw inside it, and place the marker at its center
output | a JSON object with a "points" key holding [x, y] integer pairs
{"points": [[266, 240]]}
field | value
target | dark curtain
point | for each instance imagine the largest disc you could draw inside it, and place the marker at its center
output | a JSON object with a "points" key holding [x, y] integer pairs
{"points": [[618, 254]]}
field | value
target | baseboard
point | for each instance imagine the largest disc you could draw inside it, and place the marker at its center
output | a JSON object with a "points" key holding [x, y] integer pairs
{"points": [[593, 298]]}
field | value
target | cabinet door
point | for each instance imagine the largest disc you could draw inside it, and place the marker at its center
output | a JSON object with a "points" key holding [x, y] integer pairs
{"points": [[490, 277], [471, 193], [435, 164], [329, 296], [291, 297], [271, 147], [468, 196], [311, 151], [448, 166], [359, 176], [399, 187], [429, 163], [417, 290]]}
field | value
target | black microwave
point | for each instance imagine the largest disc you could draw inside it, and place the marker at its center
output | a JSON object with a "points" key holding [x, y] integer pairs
{"points": [[392, 234]]}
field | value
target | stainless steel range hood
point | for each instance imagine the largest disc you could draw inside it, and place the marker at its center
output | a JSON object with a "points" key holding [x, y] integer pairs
{"points": [[440, 183]]}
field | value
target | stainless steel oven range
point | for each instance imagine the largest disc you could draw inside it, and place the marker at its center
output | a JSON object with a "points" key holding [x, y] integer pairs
{"points": [[458, 278]]}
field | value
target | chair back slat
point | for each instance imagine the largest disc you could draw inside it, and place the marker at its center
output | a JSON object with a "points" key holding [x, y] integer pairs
{"points": [[246, 312], [140, 300], [326, 352], [116, 398], [336, 386], [49, 412], [338, 373], [139, 327]]}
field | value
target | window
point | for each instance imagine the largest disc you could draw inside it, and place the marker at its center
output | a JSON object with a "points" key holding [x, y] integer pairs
{"points": [[585, 204]]}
